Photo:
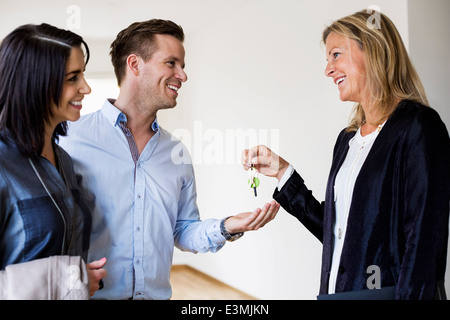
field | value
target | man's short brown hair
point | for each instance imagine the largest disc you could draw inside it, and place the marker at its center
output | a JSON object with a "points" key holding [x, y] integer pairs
{"points": [[139, 38]]}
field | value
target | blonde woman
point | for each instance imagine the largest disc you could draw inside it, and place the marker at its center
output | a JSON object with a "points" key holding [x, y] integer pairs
{"points": [[384, 221]]}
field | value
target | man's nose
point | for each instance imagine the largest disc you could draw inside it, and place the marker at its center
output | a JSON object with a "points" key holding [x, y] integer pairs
{"points": [[182, 76]]}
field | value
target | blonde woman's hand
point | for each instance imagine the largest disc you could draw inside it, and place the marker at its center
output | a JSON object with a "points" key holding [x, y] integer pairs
{"points": [[265, 161]]}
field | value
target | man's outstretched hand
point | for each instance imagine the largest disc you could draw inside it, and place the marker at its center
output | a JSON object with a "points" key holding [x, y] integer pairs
{"points": [[248, 221]]}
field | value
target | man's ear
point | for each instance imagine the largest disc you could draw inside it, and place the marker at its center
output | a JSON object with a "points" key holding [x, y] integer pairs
{"points": [[133, 61]]}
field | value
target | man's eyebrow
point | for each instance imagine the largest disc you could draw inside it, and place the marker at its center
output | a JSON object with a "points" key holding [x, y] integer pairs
{"points": [[176, 59]]}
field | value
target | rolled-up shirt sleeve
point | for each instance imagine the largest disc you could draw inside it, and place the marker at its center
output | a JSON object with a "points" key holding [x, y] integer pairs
{"points": [[191, 233]]}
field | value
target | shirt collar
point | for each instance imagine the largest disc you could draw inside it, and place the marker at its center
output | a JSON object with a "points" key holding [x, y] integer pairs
{"points": [[115, 116]]}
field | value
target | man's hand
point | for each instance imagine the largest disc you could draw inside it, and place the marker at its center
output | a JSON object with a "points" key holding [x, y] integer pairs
{"points": [[248, 221]]}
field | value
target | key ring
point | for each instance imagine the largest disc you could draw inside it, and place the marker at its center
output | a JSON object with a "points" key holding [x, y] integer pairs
{"points": [[253, 182]]}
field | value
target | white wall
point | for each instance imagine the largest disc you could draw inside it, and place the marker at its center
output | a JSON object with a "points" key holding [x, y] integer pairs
{"points": [[255, 66], [429, 27]]}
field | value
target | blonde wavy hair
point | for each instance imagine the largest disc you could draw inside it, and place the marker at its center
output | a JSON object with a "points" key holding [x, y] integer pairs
{"points": [[391, 76]]}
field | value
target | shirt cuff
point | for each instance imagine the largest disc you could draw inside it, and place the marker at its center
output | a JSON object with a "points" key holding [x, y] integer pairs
{"points": [[286, 176], [214, 233]]}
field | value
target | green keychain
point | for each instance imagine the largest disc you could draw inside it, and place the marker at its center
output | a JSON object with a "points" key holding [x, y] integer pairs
{"points": [[253, 182]]}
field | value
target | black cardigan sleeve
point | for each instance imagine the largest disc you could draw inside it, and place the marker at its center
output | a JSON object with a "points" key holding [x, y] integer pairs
{"points": [[296, 199]]}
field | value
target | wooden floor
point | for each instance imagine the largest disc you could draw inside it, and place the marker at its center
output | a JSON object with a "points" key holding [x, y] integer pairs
{"points": [[191, 284]]}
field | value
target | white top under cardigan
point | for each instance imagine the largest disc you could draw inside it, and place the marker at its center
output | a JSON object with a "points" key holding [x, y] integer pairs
{"points": [[343, 191]]}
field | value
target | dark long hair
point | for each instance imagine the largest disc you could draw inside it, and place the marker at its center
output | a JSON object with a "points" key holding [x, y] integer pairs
{"points": [[32, 70]]}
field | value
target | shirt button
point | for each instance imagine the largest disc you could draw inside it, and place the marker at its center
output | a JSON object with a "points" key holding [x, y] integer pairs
{"points": [[138, 229]]}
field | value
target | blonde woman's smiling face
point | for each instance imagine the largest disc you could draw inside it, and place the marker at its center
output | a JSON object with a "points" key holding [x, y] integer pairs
{"points": [[346, 65]]}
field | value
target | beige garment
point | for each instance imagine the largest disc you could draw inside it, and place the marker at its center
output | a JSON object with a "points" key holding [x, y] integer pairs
{"points": [[53, 278]]}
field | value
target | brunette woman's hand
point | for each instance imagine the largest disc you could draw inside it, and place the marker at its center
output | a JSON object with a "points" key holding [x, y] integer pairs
{"points": [[96, 273]]}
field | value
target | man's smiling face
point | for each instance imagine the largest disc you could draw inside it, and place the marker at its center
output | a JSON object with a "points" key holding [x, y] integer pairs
{"points": [[163, 74]]}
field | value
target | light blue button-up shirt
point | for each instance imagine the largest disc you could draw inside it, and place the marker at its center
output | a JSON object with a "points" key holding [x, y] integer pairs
{"points": [[140, 210]]}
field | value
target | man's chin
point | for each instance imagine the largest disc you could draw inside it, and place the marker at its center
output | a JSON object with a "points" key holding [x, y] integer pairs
{"points": [[167, 106]]}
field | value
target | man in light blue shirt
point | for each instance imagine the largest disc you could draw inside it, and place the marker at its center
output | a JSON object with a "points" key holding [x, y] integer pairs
{"points": [[143, 202]]}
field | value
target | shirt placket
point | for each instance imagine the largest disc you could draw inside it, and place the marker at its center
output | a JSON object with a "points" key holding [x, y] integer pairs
{"points": [[138, 216], [138, 233]]}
